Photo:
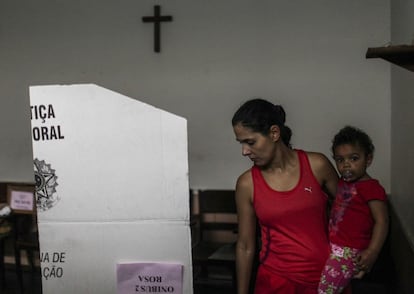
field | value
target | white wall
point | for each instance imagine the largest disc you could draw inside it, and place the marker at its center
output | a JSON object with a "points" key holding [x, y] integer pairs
{"points": [[402, 15], [307, 55]]}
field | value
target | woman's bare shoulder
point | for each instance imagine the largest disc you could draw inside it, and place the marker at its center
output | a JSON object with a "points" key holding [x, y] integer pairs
{"points": [[317, 160], [244, 187], [324, 171], [321, 166], [245, 179]]}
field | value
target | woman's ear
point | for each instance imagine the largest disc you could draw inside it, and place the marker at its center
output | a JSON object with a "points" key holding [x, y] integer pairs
{"points": [[274, 133]]}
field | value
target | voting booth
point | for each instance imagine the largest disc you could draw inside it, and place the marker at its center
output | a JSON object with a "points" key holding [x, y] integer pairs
{"points": [[111, 193]]}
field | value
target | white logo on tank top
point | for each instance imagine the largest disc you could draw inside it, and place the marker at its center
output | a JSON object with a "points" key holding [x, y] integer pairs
{"points": [[308, 189]]}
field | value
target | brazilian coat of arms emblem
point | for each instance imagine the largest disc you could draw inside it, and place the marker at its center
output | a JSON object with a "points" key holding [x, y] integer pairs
{"points": [[46, 183]]}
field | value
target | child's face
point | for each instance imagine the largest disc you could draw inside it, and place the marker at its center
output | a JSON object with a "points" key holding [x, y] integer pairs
{"points": [[352, 162]]}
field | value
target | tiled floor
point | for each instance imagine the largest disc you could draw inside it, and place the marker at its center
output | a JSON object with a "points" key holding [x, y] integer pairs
{"points": [[210, 290], [380, 281], [218, 282], [32, 285]]}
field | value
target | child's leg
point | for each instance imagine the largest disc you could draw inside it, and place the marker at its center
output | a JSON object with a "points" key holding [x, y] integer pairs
{"points": [[338, 271]]}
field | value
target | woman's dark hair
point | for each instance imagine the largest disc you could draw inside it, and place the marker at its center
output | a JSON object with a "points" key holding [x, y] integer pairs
{"points": [[353, 136], [259, 115]]}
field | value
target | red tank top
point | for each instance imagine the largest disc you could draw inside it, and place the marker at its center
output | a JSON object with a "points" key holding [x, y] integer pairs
{"points": [[293, 226]]}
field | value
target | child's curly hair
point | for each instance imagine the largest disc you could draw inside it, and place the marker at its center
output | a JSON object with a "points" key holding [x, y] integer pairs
{"points": [[354, 136]]}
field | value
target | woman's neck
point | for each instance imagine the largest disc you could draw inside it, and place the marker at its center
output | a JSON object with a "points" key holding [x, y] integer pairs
{"points": [[284, 158]]}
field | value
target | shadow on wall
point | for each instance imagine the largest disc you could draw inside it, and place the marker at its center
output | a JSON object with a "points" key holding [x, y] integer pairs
{"points": [[402, 254]]}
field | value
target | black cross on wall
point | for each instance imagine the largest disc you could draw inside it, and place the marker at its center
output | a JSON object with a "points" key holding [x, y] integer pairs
{"points": [[157, 19]]}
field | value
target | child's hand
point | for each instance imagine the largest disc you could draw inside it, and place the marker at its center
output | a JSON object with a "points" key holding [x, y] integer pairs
{"points": [[359, 275], [364, 262]]}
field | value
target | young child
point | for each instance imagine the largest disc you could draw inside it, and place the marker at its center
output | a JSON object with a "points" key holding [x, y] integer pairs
{"points": [[359, 217]]}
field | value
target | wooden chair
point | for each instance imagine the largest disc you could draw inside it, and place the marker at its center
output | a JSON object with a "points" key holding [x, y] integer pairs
{"points": [[25, 232], [214, 249], [5, 234]]}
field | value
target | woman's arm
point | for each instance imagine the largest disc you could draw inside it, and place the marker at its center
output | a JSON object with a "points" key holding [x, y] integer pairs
{"points": [[324, 172], [246, 242]]}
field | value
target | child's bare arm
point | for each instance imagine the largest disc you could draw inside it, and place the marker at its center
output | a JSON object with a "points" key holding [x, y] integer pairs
{"points": [[367, 257]]}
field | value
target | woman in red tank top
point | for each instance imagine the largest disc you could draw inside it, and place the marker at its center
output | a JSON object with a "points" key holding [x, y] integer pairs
{"points": [[284, 192]]}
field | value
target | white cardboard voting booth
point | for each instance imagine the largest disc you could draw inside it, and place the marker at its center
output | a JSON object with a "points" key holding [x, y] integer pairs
{"points": [[112, 188]]}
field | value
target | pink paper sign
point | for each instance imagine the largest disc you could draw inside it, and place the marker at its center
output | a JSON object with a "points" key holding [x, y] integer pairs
{"points": [[149, 278], [21, 200]]}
